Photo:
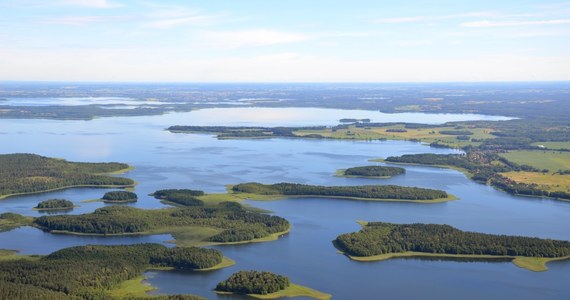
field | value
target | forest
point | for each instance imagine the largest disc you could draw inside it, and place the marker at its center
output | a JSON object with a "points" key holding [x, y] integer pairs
{"points": [[90, 272], [253, 282], [374, 171], [184, 197], [377, 238], [366, 191], [30, 173], [237, 224], [55, 204]]}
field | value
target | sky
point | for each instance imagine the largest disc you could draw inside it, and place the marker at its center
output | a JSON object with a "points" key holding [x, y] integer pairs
{"points": [[284, 41]]}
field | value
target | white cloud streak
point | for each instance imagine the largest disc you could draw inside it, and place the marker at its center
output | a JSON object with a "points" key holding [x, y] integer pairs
{"points": [[91, 3], [487, 24], [251, 38]]}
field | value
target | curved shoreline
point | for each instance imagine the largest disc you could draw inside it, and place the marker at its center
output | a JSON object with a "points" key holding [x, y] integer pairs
{"points": [[293, 290], [535, 264]]}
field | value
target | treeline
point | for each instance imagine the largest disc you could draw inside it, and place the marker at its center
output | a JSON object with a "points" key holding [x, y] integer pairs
{"points": [[381, 238], [250, 131], [374, 171], [253, 282], [365, 191], [519, 188], [9, 221], [184, 197], [55, 204], [30, 173], [238, 224], [456, 132], [120, 196], [89, 272]]}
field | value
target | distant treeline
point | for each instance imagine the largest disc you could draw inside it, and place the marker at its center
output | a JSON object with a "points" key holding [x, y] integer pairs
{"points": [[381, 238], [365, 191], [253, 282], [89, 272], [29, 173], [231, 132], [184, 197], [55, 204], [238, 224], [374, 171]]}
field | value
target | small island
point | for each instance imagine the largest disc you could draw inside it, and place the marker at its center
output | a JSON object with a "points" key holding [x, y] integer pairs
{"points": [[98, 272], [29, 173], [184, 197], [372, 172], [365, 192], [54, 204], [120, 197], [9, 221], [265, 285], [381, 241]]}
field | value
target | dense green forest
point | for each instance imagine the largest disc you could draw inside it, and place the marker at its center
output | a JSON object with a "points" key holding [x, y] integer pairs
{"points": [[30, 173], [238, 224], [485, 168], [365, 191], [377, 238], [243, 132], [55, 204], [89, 272], [120, 196], [9, 221], [184, 197], [374, 171], [253, 282]]}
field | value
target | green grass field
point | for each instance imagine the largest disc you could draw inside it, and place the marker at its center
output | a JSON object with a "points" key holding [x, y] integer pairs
{"points": [[541, 159], [553, 145], [547, 181]]}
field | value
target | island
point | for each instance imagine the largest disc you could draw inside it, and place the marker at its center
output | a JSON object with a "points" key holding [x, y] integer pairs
{"points": [[29, 173], [184, 197], [55, 204], [97, 272], [371, 172], [265, 285], [120, 197], [380, 241], [193, 225], [365, 192]]}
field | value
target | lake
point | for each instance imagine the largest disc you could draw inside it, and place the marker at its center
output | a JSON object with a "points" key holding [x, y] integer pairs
{"points": [[167, 160]]}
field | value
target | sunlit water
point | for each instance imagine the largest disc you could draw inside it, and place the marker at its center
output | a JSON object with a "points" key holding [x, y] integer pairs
{"points": [[166, 160]]}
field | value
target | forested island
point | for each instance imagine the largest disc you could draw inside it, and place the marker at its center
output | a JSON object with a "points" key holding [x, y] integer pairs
{"points": [[379, 241], [228, 224], [185, 197], [265, 285], [372, 171], [9, 221], [96, 272], [366, 192], [55, 204], [30, 173], [120, 197]]}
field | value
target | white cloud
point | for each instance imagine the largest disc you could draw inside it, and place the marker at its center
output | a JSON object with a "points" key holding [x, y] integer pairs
{"points": [[92, 3], [84, 20], [251, 38], [166, 17], [416, 19], [485, 24]]}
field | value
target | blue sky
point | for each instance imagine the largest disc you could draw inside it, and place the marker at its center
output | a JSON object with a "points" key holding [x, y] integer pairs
{"points": [[284, 41]]}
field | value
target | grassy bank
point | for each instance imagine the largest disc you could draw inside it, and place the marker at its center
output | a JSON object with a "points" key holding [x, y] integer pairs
{"points": [[294, 290]]}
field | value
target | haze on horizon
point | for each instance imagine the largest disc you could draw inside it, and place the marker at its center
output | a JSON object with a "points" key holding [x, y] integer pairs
{"points": [[285, 41]]}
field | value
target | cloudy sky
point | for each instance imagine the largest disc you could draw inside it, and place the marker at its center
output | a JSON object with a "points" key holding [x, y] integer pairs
{"points": [[284, 41]]}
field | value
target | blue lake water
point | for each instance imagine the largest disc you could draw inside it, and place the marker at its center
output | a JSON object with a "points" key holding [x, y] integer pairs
{"points": [[166, 160]]}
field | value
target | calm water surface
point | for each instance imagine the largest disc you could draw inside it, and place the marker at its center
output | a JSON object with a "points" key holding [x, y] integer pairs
{"points": [[306, 255]]}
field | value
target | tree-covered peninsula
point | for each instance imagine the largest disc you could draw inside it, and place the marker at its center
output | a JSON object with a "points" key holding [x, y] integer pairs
{"points": [[379, 241], [228, 224], [95, 272], [365, 192], [372, 171], [30, 173], [265, 285]]}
